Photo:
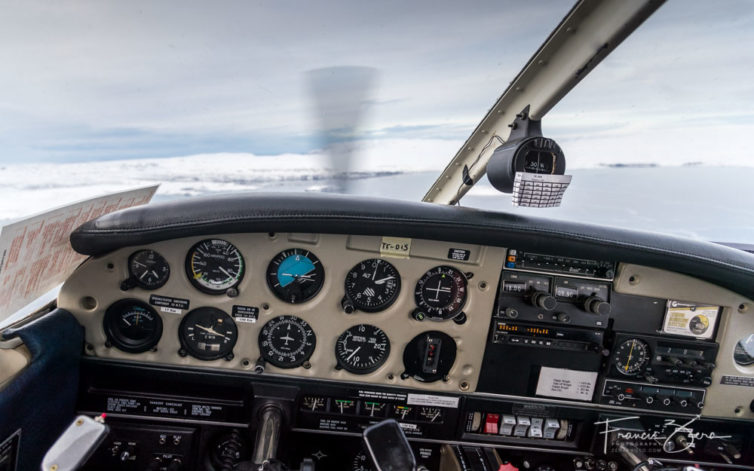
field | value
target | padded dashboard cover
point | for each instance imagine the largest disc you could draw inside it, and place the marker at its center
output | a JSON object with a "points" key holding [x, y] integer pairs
{"points": [[347, 214]]}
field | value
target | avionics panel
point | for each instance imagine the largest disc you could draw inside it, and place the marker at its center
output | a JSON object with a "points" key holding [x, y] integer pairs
{"points": [[555, 289]]}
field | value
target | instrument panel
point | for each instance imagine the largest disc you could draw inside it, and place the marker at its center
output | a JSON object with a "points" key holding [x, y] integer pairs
{"points": [[331, 307], [440, 316]]}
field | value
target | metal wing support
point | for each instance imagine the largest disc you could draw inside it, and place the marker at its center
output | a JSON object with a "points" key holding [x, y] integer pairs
{"points": [[587, 34]]}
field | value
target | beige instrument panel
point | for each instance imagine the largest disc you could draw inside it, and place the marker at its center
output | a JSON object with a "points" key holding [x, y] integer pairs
{"points": [[736, 323], [96, 285]]}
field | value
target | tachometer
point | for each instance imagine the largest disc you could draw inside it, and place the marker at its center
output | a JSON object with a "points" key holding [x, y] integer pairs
{"points": [[287, 341], [214, 266], [295, 275], [371, 286], [207, 333], [132, 325], [441, 292], [147, 269], [631, 356], [362, 349]]}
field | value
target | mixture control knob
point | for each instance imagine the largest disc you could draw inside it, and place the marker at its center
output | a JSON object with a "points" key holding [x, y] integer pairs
{"points": [[511, 312], [544, 300], [597, 305]]}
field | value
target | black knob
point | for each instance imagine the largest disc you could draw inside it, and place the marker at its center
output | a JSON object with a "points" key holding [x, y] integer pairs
{"points": [[564, 318], [544, 300], [175, 465], [597, 306], [511, 312], [347, 305]]}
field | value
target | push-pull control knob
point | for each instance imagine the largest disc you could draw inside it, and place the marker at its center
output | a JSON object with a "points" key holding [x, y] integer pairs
{"points": [[597, 305], [511, 313], [347, 305], [544, 300]]}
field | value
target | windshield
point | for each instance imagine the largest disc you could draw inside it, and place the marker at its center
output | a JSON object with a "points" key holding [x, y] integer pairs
{"points": [[201, 98]]}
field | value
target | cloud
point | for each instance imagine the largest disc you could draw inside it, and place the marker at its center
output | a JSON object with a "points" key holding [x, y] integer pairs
{"points": [[115, 80]]}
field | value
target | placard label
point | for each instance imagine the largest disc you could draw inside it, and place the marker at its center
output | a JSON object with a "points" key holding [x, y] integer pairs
{"points": [[432, 400], [168, 304], [566, 384], [246, 314], [460, 255], [396, 247], [689, 319]]}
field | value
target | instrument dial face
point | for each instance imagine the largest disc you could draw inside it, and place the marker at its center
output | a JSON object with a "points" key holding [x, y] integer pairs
{"points": [[373, 285], [287, 341], [148, 269], [214, 266], [631, 356], [132, 325], [431, 414], [362, 349], [208, 333], [441, 292], [295, 275], [314, 403], [362, 462]]}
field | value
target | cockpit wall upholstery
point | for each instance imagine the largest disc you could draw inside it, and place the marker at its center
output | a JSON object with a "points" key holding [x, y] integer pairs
{"points": [[40, 402]]}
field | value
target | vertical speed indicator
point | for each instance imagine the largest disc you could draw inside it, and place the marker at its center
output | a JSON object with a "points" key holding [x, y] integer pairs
{"points": [[362, 349]]}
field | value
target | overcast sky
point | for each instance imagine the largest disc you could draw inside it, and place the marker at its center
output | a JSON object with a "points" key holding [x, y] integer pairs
{"points": [[112, 79]]}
